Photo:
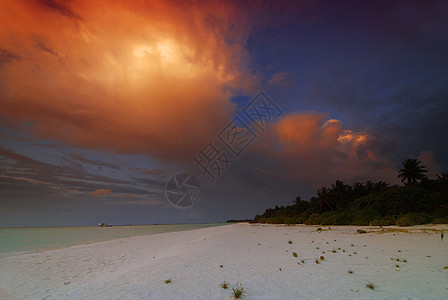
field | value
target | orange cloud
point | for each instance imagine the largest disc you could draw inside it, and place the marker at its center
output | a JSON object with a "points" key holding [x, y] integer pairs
{"points": [[304, 133], [100, 192], [148, 77], [309, 148]]}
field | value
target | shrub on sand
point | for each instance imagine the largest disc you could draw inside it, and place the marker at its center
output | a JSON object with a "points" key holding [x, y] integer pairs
{"points": [[238, 292]]}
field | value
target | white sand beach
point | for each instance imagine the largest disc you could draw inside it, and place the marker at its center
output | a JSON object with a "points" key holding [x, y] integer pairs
{"points": [[402, 263]]}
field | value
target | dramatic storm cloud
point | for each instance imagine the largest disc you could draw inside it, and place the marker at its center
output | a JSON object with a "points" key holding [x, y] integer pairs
{"points": [[159, 83]]}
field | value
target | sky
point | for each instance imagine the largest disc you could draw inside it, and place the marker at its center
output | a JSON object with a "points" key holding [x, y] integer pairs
{"points": [[103, 102]]}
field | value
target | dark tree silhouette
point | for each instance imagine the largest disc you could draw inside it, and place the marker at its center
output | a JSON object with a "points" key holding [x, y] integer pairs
{"points": [[443, 177], [371, 202], [298, 200], [380, 185], [412, 171], [341, 194], [324, 199], [300, 205], [358, 190]]}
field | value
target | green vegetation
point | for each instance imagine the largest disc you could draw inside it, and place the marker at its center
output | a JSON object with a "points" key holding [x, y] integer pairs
{"points": [[167, 281], [419, 201], [238, 292], [294, 254]]}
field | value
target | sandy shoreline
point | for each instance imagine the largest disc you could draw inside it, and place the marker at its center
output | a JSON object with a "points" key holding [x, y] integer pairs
{"points": [[402, 265]]}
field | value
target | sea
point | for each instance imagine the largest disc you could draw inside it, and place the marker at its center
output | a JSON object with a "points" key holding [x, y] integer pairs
{"points": [[26, 239]]}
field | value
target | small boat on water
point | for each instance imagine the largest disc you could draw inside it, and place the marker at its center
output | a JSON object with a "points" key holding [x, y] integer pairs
{"points": [[104, 225]]}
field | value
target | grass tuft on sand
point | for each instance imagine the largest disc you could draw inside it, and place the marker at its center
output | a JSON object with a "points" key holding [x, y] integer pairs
{"points": [[238, 292], [370, 286], [224, 285]]}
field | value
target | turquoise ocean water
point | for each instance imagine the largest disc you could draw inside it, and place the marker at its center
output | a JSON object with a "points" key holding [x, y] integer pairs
{"points": [[39, 238]]}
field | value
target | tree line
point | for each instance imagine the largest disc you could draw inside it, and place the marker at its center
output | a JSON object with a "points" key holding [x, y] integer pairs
{"points": [[419, 201]]}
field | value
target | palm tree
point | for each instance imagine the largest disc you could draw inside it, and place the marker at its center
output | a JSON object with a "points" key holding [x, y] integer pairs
{"points": [[380, 185], [325, 199], [443, 177], [301, 205], [341, 194], [358, 190], [339, 187], [370, 186], [412, 171], [298, 200]]}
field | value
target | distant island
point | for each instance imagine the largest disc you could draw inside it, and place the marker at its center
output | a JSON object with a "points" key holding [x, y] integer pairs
{"points": [[240, 221], [419, 201]]}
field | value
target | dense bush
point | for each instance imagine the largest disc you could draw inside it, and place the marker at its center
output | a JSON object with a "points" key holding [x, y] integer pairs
{"points": [[367, 204], [314, 219], [440, 220], [385, 221], [414, 219]]}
